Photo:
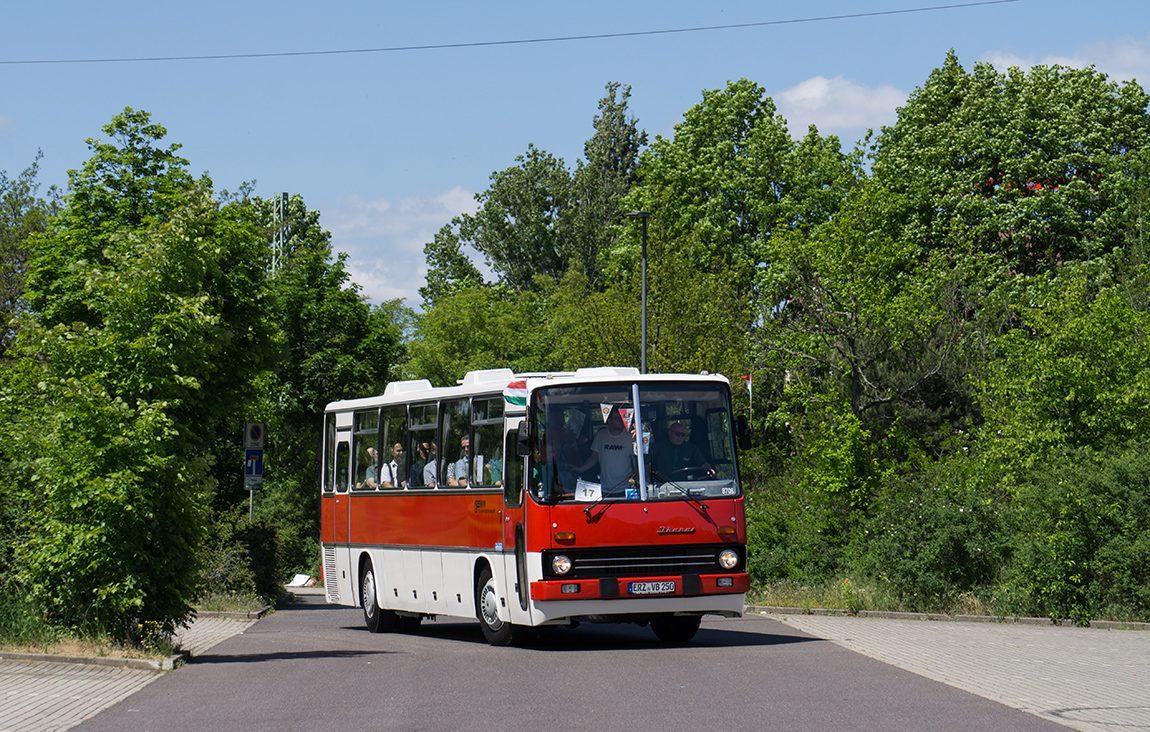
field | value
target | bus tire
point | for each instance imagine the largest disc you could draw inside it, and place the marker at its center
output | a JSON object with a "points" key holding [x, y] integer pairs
{"points": [[496, 631], [676, 629], [375, 618]]}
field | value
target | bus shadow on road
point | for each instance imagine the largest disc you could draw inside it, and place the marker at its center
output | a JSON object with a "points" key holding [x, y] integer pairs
{"points": [[283, 656], [609, 637]]}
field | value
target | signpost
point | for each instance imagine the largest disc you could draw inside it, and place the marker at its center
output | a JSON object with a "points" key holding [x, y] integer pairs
{"points": [[253, 461]]}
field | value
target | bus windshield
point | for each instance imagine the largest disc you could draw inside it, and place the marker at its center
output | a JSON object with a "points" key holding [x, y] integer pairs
{"points": [[649, 441]]}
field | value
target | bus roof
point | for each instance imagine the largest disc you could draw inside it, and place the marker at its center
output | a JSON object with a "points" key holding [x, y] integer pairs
{"points": [[495, 380]]}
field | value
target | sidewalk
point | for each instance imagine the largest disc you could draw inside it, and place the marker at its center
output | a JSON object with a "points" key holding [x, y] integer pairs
{"points": [[40, 695], [1089, 679]]}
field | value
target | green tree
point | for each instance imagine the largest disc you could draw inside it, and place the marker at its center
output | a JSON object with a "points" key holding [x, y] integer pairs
{"points": [[855, 312], [1077, 373], [720, 180], [161, 337], [523, 229], [22, 215], [481, 328], [124, 185], [331, 344], [524, 223], [602, 182], [117, 444], [448, 267], [1028, 166], [537, 220]]}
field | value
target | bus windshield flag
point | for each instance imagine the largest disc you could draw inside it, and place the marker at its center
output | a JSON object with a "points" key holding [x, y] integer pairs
{"points": [[748, 380], [515, 393]]}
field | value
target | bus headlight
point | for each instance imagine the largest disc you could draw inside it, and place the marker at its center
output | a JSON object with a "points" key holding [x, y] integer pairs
{"points": [[728, 559], [560, 564]]}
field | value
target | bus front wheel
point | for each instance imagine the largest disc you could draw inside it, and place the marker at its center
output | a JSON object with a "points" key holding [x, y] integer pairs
{"points": [[496, 631]]}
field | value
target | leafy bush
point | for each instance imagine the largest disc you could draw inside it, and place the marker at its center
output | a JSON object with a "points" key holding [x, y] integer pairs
{"points": [[792, 537], [934, 536], [1083, 548], [112, 516], [240, 558]]}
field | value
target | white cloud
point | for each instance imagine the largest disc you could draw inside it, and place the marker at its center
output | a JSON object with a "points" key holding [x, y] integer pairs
{"points": [[384, 238], [840, 106], [1123, 59]]}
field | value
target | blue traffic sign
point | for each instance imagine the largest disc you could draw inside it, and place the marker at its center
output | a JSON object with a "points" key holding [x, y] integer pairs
{"points": [[254, 463]]}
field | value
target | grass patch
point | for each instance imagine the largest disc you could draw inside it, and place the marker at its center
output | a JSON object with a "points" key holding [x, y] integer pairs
{"points": [[87, 647], [230, 603], [24, 631], [851, 596]]}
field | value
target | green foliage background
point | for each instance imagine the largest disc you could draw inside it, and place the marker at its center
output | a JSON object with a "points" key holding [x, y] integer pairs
{"points": [[946, 328]]}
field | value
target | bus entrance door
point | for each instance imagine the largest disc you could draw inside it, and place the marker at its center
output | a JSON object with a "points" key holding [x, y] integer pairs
{"points": [[337, 557], [514, 534]]}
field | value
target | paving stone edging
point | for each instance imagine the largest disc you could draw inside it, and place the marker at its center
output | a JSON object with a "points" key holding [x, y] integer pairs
{"points": [[891, 615], [230, 615], [139, 664]]}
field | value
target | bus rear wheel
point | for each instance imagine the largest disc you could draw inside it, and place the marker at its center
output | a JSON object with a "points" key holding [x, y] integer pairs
{"points": [[676, 628], [375, 618], [496, 631]]}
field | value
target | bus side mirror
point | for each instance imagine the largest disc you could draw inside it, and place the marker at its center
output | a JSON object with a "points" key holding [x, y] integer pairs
{"points": [[523, 442], [743, 432]]}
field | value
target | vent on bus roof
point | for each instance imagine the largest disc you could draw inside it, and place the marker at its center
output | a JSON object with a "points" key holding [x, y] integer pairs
{"points": [[487, 376], [607, 371], [395, 388]]}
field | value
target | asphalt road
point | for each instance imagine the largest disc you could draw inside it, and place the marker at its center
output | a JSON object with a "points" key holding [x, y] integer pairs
{"points": [[314, 667]]}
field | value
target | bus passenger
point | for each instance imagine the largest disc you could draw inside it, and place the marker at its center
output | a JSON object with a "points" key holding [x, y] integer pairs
{"points": [[393, 471], [612, 450], [370, 482], [415, 473], [457, 471], [493, 470], [429, 468], [559, 455]]}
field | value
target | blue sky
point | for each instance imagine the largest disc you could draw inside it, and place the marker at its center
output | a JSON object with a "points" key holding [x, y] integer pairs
{"points": [[390, 145]]}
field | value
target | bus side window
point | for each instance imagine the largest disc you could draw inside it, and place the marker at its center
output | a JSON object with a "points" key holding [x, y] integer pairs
{"points": [[393, 469], [421, 455], [512, 471], [487, 442], [341, 468], [455, 447], [366, 445], [329, 454]]}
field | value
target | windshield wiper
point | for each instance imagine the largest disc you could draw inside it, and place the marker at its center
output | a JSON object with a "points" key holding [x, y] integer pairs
{"points": [[686, 492]]}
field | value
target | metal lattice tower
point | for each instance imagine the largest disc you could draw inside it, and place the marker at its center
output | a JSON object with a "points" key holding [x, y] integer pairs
{"points": [[279, 234]]}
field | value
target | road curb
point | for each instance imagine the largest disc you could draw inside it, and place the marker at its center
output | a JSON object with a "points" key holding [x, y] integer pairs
{"points": [[138, 664], [891, 615], [231, 615]]}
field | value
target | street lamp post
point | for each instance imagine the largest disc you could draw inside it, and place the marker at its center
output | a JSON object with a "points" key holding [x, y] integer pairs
{"points": [[643, 358]]}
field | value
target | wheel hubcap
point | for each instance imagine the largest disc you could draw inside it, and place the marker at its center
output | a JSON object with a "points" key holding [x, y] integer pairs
{"points": [[489, 606], [369, 594]]}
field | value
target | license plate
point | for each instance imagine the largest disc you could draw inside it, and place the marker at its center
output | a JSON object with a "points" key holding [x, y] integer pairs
{"points": [[651, 588]]}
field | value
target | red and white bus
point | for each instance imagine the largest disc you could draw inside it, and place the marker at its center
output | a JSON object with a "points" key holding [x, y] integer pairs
{"points": [[600, 495]]}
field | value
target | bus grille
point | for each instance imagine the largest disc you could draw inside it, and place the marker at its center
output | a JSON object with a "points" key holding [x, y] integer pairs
{"points": [[643, 561]]}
